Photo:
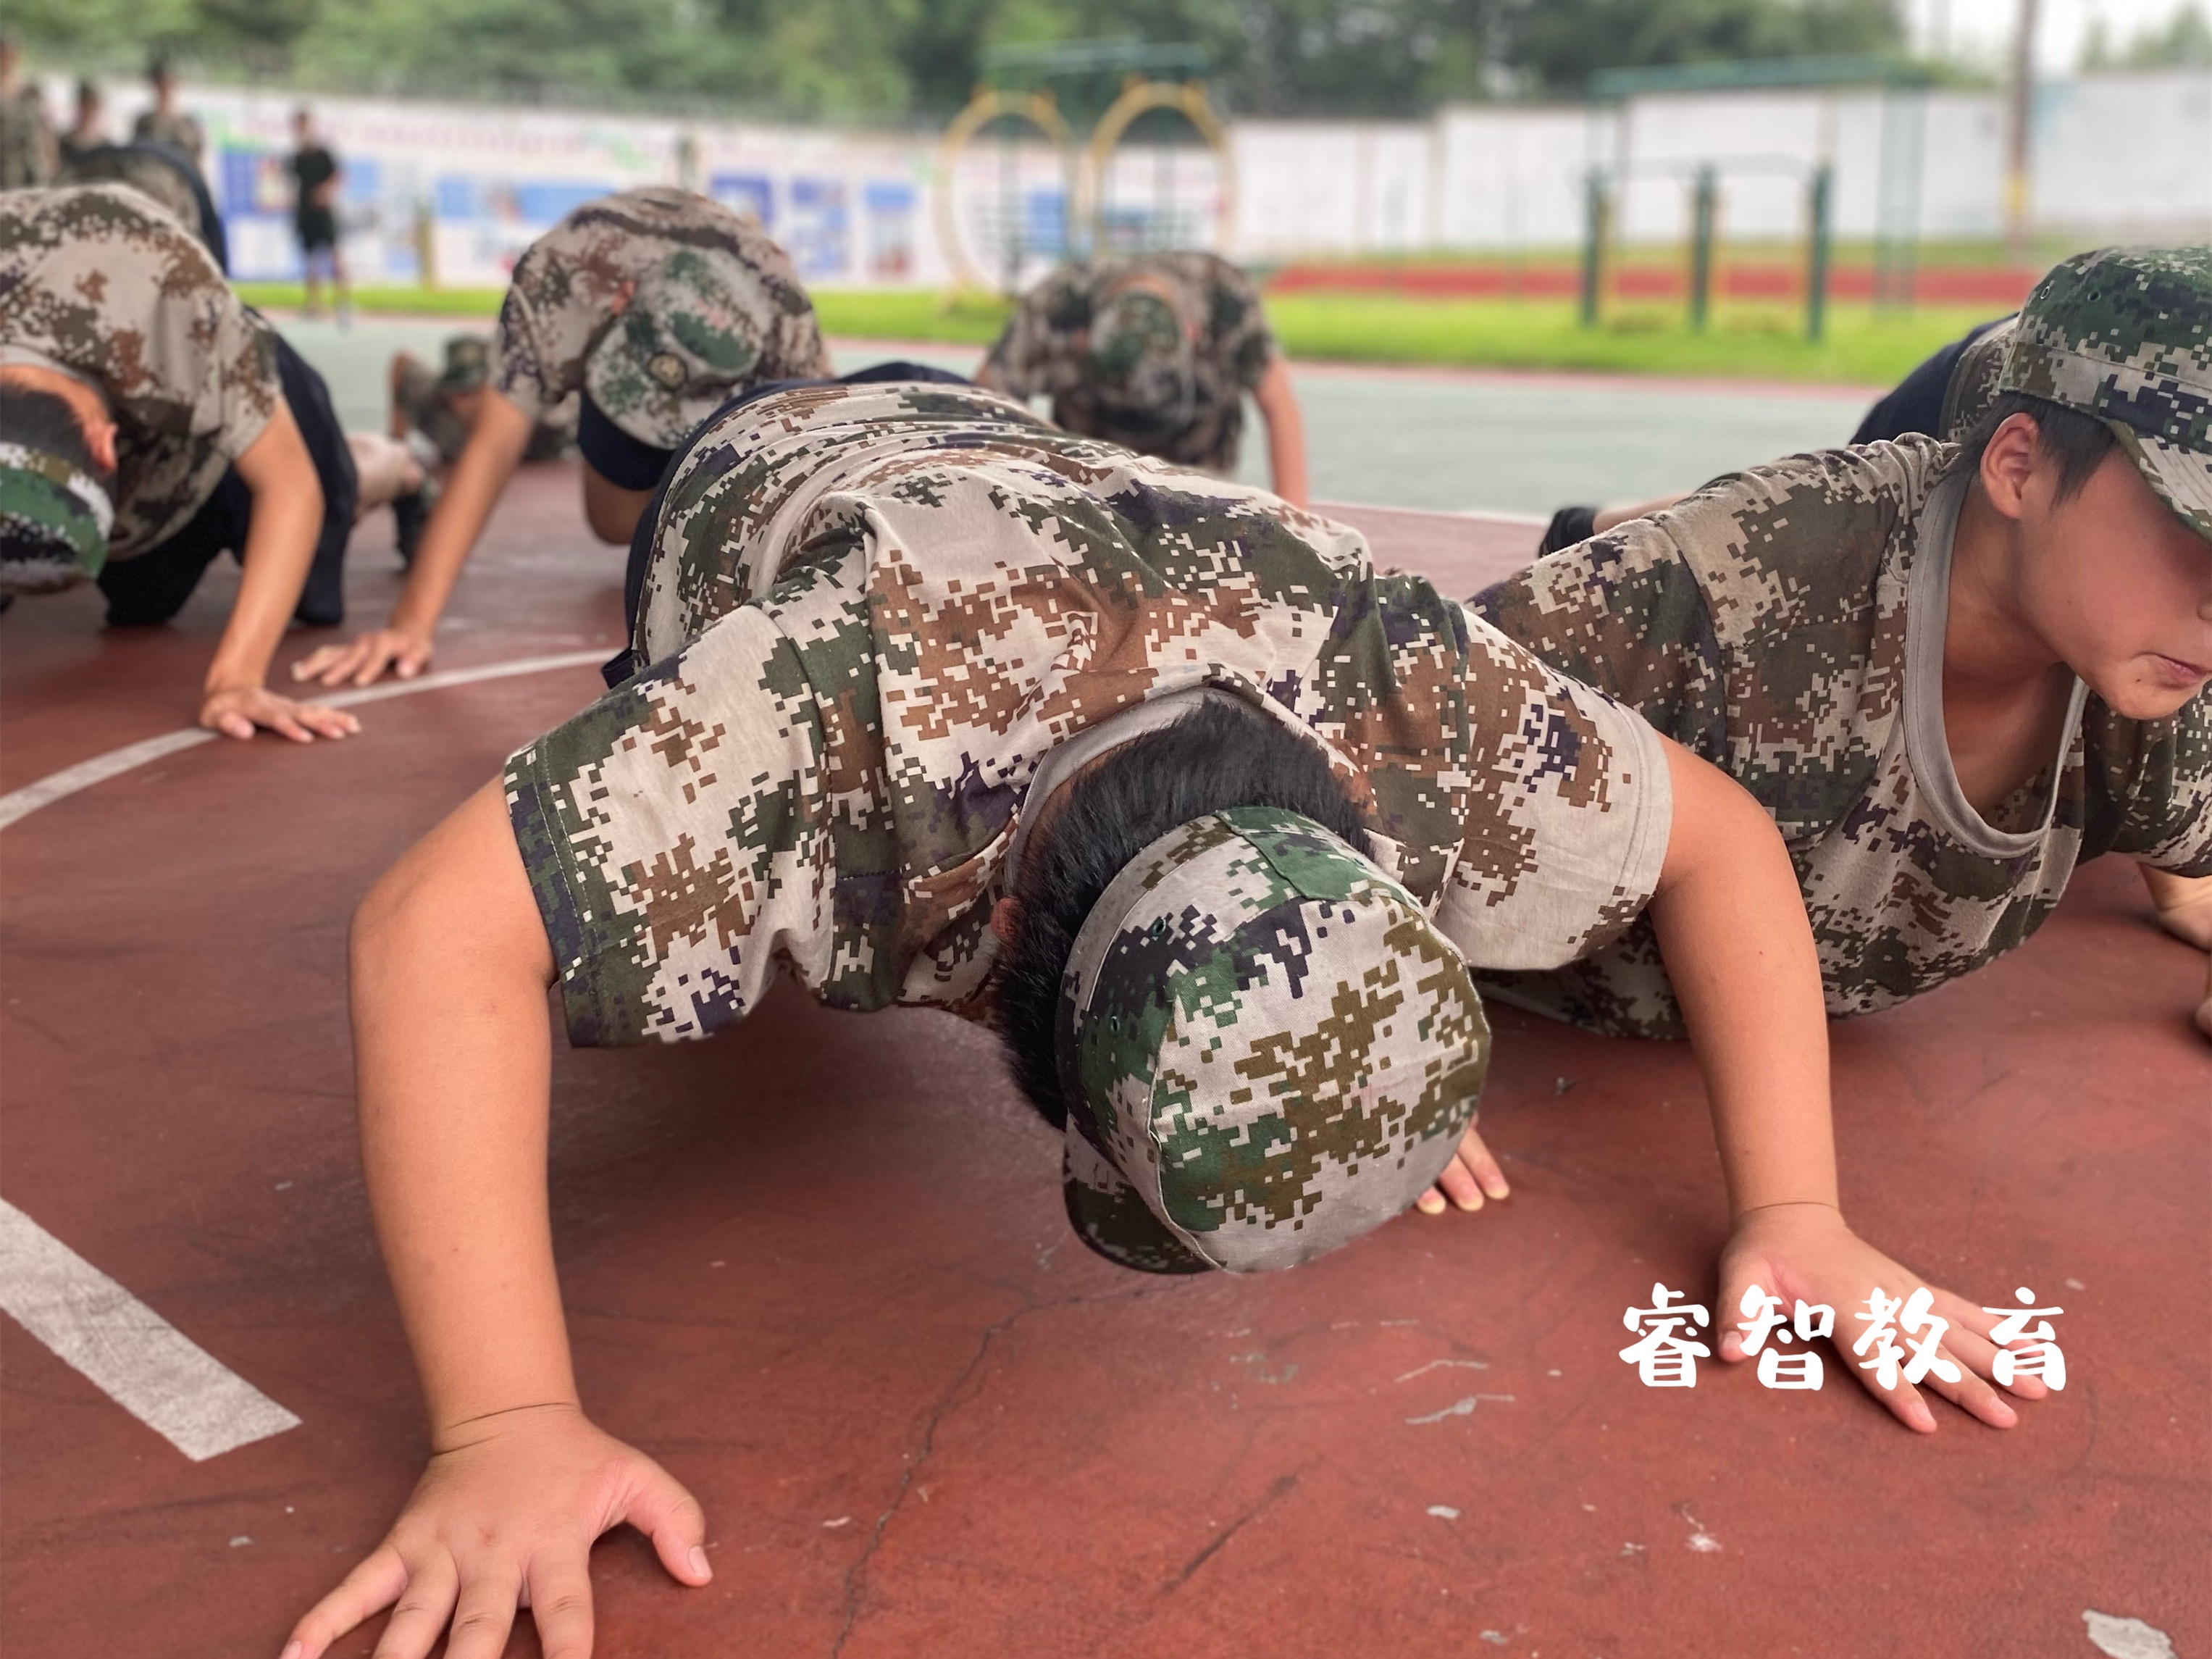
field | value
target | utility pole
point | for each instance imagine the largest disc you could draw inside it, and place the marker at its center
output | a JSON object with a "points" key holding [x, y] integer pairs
{"points": [[2023, 121]]}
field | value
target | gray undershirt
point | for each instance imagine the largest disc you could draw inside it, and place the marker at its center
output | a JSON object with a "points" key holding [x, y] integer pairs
{"points": [[1927, 615]]}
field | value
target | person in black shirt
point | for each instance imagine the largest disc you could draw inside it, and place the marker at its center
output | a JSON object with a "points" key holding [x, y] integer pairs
{"points": [[316, 173]]}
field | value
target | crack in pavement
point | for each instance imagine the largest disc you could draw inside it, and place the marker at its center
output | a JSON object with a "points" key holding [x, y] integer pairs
{"points": [[948, 1401], [1282, 1486]]}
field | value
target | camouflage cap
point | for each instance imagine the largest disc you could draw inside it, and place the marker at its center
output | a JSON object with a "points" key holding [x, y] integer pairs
{"points": [[58, 517], [1142, 361], [2127, 338], [1266, 1047], [468, 363], [690, 336]]}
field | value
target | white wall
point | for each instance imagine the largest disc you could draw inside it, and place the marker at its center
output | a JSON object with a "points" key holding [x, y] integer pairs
{"points": [[2119, 155]]}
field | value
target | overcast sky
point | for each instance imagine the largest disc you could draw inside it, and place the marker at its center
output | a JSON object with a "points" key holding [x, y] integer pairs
{"points": [[1982, 30]]}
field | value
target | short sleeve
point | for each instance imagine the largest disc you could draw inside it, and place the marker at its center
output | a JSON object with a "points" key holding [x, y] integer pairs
{"points": [[1624, 612], [2150, 782], [518, 371], [1238, 322], [1035, 338], [247, 384], [1569, 803], [677, 840]]}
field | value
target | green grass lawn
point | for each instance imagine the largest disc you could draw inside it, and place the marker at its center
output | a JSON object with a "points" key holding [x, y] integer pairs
{"points": [[1751, 342]]}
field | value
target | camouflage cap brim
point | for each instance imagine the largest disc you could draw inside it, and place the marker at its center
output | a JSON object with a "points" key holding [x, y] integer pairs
{"points": [[2178, 475], [690, 336], [1267, 1048], [65, 510], [2125, 336]]}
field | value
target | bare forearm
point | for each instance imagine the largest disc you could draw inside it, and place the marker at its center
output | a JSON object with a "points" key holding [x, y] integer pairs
{"points": [[450, 1036], [280, 546], [1731, 924], [1287, 433], [495, 448]]}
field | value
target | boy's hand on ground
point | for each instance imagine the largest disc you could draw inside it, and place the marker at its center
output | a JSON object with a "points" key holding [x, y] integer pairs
{"points": [[238, 711], [360, 659], [504, 1521], [1471, 1175], [1805, 1252]]}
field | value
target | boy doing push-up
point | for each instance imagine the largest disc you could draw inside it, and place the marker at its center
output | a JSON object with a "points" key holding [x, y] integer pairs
{"points": [[1153, 772]]}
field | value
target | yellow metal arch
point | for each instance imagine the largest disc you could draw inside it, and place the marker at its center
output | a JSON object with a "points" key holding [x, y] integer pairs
{"points": [[988, 105], [1186, 97]]}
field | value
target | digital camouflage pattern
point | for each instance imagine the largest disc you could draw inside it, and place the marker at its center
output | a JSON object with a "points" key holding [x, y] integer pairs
{"points": [[1973, 386], [562, 299], [180, 131], [1266, 1047], [96, 280], [1763, 624], [1143, 361], [62, 517], [1189, 408], [157, 173], [690, 339], [420, 392], [873, 609], [2127, 337]]}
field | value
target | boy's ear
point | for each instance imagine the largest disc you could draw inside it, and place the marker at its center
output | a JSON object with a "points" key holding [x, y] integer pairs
{"points": [[1006, 918], [99, 439], [2015, 450]]}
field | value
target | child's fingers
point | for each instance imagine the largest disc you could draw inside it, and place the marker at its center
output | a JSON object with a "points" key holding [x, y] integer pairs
{"points": [[561, 1603], [1903, 1401], [484, 1613], [1972, 1395], [370, 1588], [671, 1517], [1476, 1158], [433, 1582], [1457, 1183], [1968, 1340]]}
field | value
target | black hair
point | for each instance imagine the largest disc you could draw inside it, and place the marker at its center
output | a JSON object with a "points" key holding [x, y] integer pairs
{"points": [[1213, 758], [37, 419], [2078, 443]]}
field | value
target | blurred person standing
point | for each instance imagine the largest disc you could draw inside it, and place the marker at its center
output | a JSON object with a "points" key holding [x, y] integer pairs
{"points": [[165, 124], [1156, 353], [87, 129], [26, 142], [316, 177]]}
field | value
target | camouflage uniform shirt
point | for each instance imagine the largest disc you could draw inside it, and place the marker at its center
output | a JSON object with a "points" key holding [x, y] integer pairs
{"points": [[1045, 350], [875, 610], [561, 297], [180, 132], [97, 281], [1787, 623]]}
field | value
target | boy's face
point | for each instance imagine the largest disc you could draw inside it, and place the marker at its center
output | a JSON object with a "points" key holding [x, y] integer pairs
{"points": [[2120, 586]]}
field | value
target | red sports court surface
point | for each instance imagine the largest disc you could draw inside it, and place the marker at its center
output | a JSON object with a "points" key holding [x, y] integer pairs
{"points": [[817, 1267]]}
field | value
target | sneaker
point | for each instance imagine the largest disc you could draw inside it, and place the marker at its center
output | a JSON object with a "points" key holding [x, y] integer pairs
{"points": [[409, 512]]}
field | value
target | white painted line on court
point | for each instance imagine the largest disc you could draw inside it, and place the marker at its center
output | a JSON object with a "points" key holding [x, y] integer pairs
{"points": [[1497, 514], [19, 803], [136, 1357]]}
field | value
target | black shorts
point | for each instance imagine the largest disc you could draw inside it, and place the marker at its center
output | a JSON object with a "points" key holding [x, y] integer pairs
{"points": [[318, 227], [154, 586]]}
